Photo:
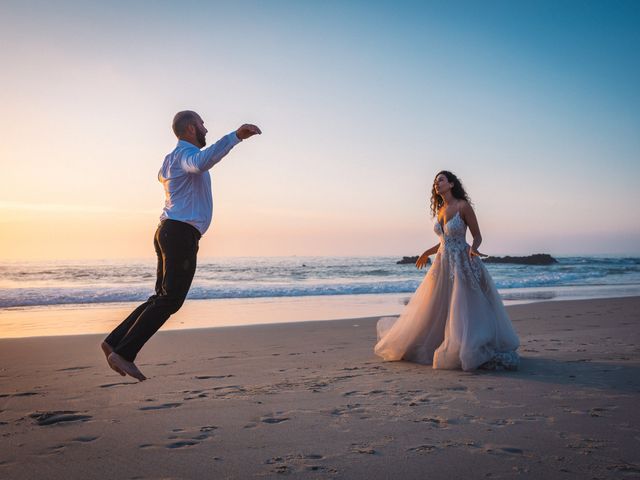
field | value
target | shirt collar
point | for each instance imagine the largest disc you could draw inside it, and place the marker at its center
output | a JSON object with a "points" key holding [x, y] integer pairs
{"points": [[184, 143]]}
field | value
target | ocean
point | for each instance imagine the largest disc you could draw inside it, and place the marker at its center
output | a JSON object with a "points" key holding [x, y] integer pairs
{"points": [[39, 284]]}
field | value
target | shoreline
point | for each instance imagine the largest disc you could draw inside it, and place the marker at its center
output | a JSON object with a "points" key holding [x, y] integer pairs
{"points": [[71, 319], [311, 400]]}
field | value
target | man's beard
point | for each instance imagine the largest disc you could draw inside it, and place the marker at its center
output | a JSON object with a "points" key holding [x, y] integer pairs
{"points": [[200, 137]]}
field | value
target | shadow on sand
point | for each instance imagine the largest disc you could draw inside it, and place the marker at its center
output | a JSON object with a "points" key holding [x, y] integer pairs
{"points": [[581, 373]]}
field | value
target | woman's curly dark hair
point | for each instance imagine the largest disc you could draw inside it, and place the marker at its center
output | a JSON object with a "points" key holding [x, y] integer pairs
{"points": [[457, 191]]}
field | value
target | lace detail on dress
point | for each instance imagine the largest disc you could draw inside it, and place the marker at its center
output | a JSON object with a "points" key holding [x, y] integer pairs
{"points": [[454, 250]]}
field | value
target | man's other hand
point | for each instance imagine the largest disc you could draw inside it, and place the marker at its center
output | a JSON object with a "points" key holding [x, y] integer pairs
{"points": [[247, 130]]}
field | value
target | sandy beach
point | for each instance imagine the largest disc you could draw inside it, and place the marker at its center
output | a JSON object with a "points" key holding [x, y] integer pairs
{"points": [[311, 400]]}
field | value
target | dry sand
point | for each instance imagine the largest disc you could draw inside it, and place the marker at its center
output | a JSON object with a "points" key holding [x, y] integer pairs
{"points": [[310, 400]]}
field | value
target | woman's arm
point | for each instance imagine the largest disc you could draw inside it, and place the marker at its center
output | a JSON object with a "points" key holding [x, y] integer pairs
{"points": [[469, 217], [424, 258]]}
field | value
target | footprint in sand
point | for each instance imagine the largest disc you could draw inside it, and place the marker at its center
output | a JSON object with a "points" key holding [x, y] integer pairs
{"points": [[346, 410], [584, 445], [419, 401], [19, 394], [208, 428], [109, 385], [207, 377], [422, 449], [625, 469], [363, 394], [228, 391], [182, 444], [535, 416], [503, 450], [456, 388], [54, 449], [55, 417], [205, 432], [363, 448], [84, 439], [272, 420], [71, 369], [269, 420], [194, 394], [437, 422], [183, 438], [471, 445], [163, 406], [501, 422], [281, 469], [598, 411], [287, 464], [172, 445], [320, 468]]}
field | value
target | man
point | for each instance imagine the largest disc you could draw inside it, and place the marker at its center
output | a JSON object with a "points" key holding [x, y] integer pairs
{"points": [[185, 218]]}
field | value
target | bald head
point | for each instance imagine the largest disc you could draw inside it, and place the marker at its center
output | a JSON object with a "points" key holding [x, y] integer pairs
{"points": [[188, 126], [182, 120]]}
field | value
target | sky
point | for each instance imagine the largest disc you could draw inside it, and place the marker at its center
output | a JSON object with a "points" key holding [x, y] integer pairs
{"points": [[534, 104]]}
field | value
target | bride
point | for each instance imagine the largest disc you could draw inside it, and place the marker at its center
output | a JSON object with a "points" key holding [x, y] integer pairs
{"points": [[456, 318]]}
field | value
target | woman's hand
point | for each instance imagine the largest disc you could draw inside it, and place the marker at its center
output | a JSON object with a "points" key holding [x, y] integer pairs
{"points": [[422, 260], [475, 253]]}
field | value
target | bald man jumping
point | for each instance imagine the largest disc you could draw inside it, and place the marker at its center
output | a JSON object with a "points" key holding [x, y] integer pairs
{"points": [[186, 216]]}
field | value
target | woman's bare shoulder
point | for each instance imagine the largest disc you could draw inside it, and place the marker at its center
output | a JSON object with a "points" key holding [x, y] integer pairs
{"points": [[464, 206]]}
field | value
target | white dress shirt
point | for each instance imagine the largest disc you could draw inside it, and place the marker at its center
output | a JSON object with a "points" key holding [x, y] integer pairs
{"points": [[187, 183]]}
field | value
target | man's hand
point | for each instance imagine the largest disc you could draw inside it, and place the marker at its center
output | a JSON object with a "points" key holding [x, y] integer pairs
{"points": [[422, 261], [247, 130]]}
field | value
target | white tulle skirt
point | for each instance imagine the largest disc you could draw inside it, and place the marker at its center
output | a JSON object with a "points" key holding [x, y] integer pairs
{"points": [[455, 319]]}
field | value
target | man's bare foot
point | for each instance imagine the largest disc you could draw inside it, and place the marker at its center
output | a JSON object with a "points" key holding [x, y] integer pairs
{"points": [[127, 367], [106, 348]]}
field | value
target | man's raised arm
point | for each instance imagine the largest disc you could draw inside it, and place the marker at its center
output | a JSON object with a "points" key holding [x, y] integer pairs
{"points": [[205, 159]]}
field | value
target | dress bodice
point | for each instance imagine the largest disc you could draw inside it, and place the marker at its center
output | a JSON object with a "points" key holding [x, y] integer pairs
{"points": [[454, 250], [453, 234]]}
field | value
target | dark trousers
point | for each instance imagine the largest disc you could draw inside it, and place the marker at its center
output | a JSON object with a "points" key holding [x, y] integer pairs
{"points": [[176, 245]]}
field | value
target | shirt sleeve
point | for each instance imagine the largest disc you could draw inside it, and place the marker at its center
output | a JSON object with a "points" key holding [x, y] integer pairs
{"points": [[202, 160]]}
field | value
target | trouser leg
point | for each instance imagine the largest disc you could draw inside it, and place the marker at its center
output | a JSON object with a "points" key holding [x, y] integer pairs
{"points": [[178, 244], [118, 333]]}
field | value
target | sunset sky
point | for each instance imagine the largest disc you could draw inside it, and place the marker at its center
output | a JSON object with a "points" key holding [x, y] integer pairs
{"points": [[534, 104]]}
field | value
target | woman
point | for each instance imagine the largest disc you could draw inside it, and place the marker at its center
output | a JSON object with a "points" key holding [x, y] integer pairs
{"points": [[456, 318]]}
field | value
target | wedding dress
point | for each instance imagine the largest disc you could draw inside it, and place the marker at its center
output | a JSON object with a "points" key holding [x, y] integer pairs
{"points": [[455, 319]]}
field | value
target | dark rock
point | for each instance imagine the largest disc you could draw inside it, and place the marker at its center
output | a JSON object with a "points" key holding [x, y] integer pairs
{"points": [[536, 259], [409, 260]]}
